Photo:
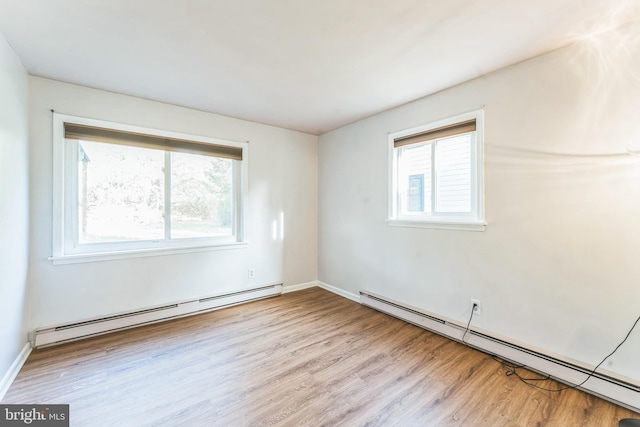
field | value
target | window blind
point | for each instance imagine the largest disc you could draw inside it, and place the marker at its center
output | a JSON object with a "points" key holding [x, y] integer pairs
{"points": [[114, 136], [441, 132]]}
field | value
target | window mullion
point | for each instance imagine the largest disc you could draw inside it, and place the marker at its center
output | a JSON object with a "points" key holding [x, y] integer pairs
{"points": [[167, 195]]}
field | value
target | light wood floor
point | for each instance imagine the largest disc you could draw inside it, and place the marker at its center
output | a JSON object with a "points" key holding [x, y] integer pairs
{"points": [[307, 358]]}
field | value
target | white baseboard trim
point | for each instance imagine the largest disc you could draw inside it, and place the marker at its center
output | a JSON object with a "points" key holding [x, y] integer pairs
{"points": [[607, 385], [339, 291], [15, 367], [325, 286], [299, 287]]}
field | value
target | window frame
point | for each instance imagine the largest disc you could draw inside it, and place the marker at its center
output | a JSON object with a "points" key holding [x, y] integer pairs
{"points": [[474, 221], [65, 187]]}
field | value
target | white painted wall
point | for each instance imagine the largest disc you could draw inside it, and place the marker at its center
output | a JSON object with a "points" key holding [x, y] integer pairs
{"points": [[558, 266], [282, 180], [14, 205]]}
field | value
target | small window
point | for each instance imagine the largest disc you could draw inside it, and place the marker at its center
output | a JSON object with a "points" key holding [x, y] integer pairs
{"points": [[436, 175], [124, 190]]}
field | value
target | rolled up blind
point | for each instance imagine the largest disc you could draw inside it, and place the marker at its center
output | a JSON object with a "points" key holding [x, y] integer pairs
{"points": [[441, 132], [115, 136]]}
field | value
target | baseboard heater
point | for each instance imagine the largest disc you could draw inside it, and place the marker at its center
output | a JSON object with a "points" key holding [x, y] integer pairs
{"points": [[607, 385], [87, 328]]}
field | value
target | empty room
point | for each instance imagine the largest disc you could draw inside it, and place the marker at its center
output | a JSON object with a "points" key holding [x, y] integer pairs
{"points": [[338, 213]]}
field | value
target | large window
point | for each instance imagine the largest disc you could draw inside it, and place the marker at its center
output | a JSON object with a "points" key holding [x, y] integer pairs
{"points": [[436, 175], [123, 190]]}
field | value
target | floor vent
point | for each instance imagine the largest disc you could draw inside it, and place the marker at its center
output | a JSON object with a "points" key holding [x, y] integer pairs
{"points": [[77, 330], [610, 386]]}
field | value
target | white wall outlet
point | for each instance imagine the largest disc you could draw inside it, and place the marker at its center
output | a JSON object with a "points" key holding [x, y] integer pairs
{"points": [[477, 309], [251, 272]]}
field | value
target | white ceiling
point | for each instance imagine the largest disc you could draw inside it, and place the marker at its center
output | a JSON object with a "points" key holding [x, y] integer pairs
{"points": [[309, 65]]}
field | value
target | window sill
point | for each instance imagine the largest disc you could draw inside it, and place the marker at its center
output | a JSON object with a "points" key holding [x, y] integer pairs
{"points": [[139, 253], [441, 225]]}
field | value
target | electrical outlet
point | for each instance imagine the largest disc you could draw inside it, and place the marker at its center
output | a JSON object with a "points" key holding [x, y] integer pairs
{"points": [[476, 307], [251, 272]]}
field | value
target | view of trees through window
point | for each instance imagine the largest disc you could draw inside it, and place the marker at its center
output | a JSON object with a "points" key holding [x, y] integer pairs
{"points": [[201, 196], [125, 195]]}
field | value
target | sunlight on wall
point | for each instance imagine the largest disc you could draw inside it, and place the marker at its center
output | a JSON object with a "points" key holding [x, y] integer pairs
{"points": [[618, 14], [281, 225], [611, 54], [634, 148], [607, 59], [277, 227]]}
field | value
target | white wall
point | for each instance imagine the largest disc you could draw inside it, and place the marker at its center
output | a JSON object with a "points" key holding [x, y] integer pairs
{"points": [[282, 179], [558, 267], [14, 208]]}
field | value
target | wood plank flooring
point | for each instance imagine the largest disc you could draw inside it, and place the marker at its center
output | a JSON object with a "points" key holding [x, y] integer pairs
{"points": [[308, 358]]}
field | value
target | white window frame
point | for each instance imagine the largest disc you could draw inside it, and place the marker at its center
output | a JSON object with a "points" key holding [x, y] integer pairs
{"points": [[66, 251], [474, 221]]}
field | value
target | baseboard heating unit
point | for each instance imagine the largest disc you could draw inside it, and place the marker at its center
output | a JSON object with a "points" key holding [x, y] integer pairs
{"points": [[98, 326], [607, 385]]}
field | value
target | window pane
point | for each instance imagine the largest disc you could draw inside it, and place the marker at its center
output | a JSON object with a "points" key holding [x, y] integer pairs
{"points": [[120, 193], [415, 197], [201, 196], [453, 174], [415, 179]]}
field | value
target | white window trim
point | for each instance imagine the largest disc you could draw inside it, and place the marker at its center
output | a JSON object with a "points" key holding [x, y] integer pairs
{"points": [[443, 221], [60, 226]]}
